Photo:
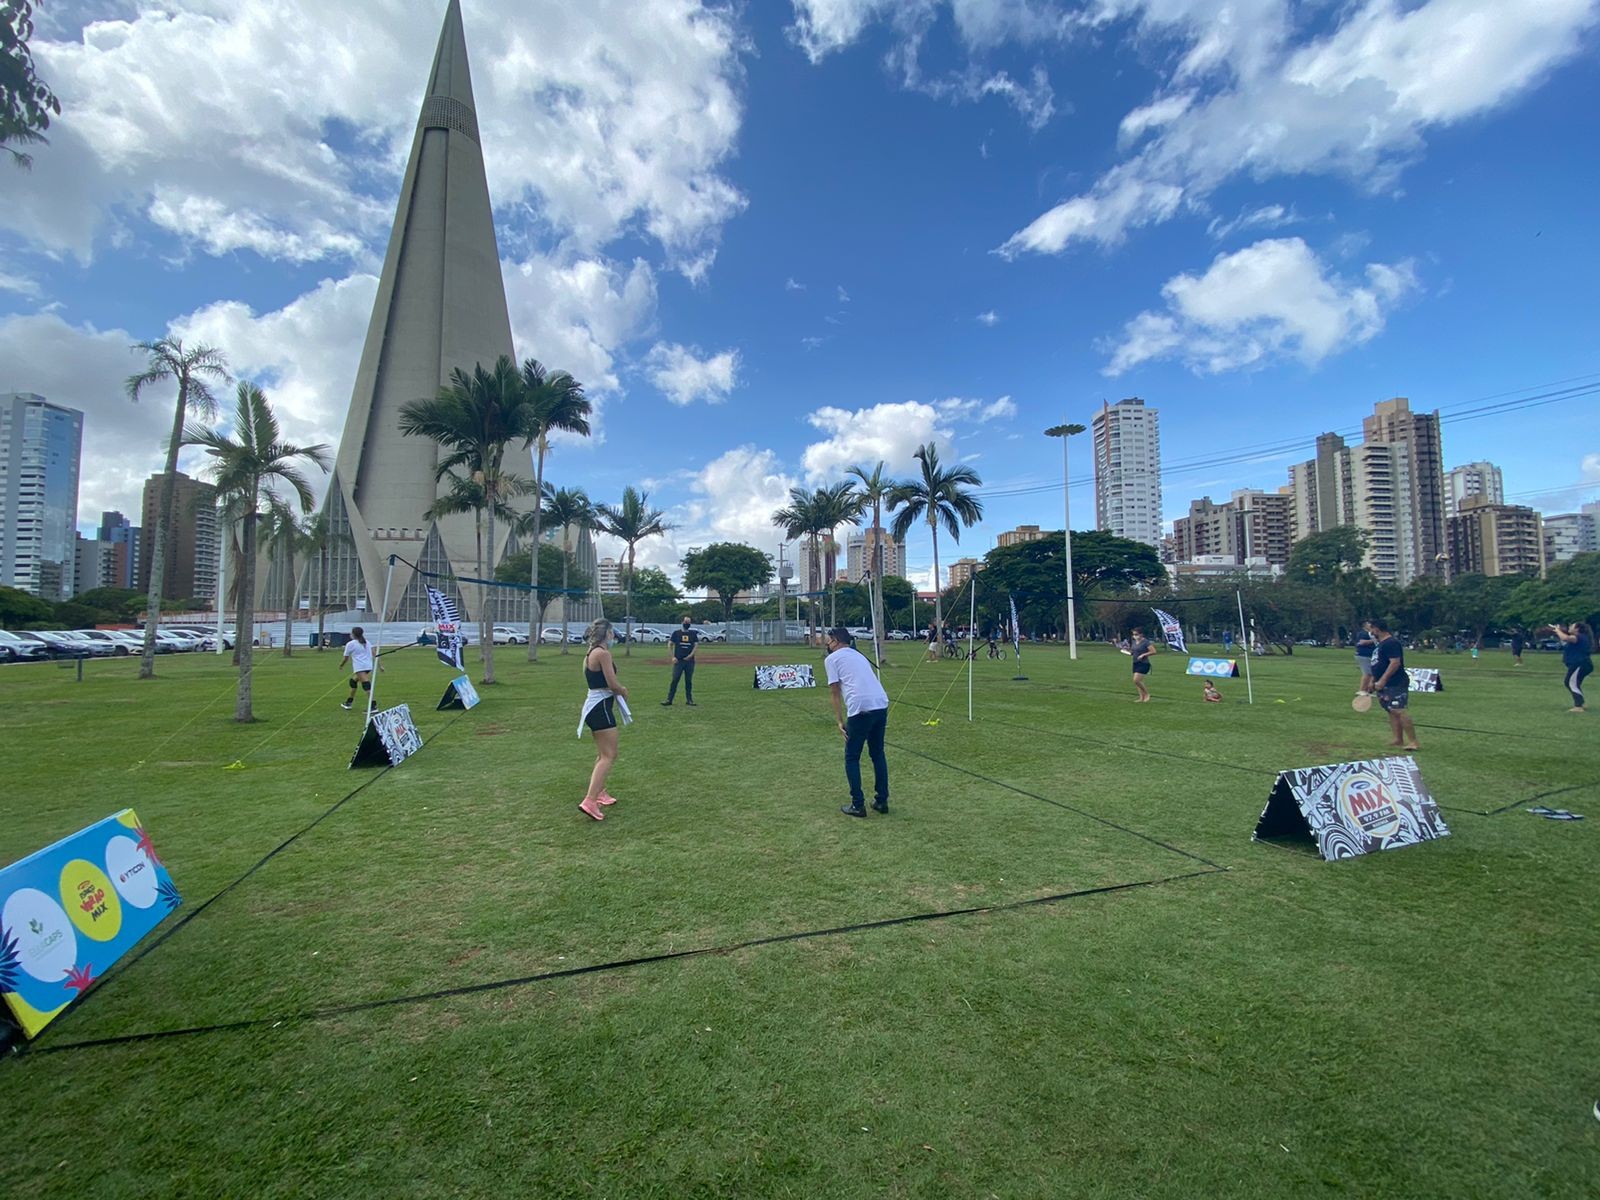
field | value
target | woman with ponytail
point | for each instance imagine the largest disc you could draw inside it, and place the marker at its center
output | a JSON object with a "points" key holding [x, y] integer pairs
{"points": [[606, 696]]}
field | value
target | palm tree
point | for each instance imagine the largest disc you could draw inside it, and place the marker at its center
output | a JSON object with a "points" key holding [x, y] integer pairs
{"points": [[194, 369], [570, 509], [874, 489], [632, 521], [555, 402], [287, 537], [321, 538], [837, 504], [247, 467], [939, 495], [799, 519], [466, 495], [475, 418]]}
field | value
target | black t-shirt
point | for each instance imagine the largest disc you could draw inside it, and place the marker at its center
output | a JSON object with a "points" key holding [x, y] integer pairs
{"points": [[683, 642], [1391, 651]]}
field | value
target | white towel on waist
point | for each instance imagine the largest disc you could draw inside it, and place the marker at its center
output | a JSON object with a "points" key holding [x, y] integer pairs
{"points": [[597, 696]]}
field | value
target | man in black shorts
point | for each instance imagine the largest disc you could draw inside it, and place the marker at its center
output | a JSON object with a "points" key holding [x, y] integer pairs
{"points": [[684, 643], [1393, 685], [1141, 649]]}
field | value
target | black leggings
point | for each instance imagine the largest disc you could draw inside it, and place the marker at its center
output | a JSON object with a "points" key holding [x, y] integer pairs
{"points": [[1572, 679]]}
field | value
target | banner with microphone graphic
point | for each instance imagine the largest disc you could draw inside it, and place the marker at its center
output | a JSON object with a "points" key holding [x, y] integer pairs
{"points": [[1171, 630]]}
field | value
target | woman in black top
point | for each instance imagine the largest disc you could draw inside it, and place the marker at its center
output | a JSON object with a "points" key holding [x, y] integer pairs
{"points": [[1577, 648], [1141, 649], [600, 715]]}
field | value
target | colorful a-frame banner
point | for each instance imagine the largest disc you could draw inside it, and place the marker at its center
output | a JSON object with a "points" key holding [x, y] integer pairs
{"points": [[460, 694], [71, 910], [787, 675], [1353, 808], [1216, 668]]}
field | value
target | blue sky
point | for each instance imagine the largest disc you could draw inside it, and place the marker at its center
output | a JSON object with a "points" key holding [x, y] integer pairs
{"points": [[781, 238]]}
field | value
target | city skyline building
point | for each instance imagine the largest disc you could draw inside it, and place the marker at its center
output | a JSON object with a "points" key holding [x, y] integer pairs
{"points": [[960, 571], [608, 577], [190, 567], [860, 546], [1022, 533], [1417, 435], [125, 538], [1473, 479], [41, 450], [1496, 539], [1127, 470], [1567, 535], [440, 307]]}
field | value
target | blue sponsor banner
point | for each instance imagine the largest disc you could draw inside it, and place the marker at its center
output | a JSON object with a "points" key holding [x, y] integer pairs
{"points": [[1215, 668], [465, 691], [71, 910]]}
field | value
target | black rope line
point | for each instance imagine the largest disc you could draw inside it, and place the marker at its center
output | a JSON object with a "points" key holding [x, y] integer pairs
{"points": [[1011, 787], [470, 989], [1494, 812], [127, 964]]}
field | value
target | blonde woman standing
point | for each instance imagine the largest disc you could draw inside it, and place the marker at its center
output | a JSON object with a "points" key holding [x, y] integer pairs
{"points": [[606, 696]]}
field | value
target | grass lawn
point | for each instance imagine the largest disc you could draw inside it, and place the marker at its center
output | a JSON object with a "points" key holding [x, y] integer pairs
{"points": [[1186, 1014]]}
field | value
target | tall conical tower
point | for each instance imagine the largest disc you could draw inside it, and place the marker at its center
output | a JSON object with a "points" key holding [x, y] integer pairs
{"points": [[441, 305]]}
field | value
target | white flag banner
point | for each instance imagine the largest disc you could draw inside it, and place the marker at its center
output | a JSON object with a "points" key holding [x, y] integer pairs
{"points": [[447, 623], [1171, 630], [1016, 628]]}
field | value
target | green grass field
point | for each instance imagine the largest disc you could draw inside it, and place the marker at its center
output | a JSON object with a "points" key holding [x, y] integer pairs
{"points": [[1247, 1021]]}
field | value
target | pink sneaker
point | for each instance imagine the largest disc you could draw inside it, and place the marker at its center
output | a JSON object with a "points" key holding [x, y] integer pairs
{"points": [[591, 808], [607, 798]]}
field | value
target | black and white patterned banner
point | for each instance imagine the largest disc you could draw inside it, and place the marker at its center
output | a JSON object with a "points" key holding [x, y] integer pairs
{"points": [[1425, 679], [796, 675], [389, 739], [447, 624], [1172, 630], [1353, 808]]}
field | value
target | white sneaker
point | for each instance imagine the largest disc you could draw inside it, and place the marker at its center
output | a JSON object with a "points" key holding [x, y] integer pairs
{"points": [[347, 706]]}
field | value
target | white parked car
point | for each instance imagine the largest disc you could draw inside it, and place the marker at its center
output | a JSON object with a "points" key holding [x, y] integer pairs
{"points": [[178, 641], [506, 635]]}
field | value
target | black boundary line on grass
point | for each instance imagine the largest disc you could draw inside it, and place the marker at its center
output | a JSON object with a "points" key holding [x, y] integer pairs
{"points": [[1495, 812], [127, 964], [1011, 787], [470, 989]]}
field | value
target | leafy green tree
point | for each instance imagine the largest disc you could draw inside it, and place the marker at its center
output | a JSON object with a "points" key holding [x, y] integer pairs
{"points": [[872, 490], [939, 495], [121, 605], [321, 539], [24, 610], [1570, 591], [567, 509], [475, 418], [556, 404], [1103, 566], [803, 517], [248, 466], [26, 101], [1322, 557], [194, 370], [632, 521], [726, 568], [287, 539], [514, 568], [896, 593]]}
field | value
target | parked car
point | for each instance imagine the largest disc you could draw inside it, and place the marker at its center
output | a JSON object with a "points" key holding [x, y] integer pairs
{"points": [[505, 635], [643, 633], [119, 646], [182, 642], [900, 635], [77, 644], [552, 635], [16, 647]]}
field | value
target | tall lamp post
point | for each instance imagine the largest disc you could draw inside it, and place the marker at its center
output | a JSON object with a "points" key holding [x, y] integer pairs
{"points": [[1064, 432]]}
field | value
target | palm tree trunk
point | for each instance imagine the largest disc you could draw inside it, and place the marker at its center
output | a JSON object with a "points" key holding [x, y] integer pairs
{"points": [[938, 599], [322, 595], [158, 550], [813, 585], [565, 599], [292, 597], [877, 577], [536, 617], [247, 616], [485, 613], [627, 650]]}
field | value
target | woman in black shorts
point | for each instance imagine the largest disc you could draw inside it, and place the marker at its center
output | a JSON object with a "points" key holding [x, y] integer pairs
{"points": [[1141, 651], [600, 707]]}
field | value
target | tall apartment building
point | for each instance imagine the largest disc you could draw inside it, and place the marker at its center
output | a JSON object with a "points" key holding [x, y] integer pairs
{"points": [[41, 445], [1496, 539], [94, 565], [608, 576], [1393, 422], [860, 547], [1266, 524], [195, 546], [1380, 499], [816, 571], [1022, 533], [124, 537], [1474, 479], [1209, 529], [1251, 525], [1127, 471], [1318, 488], [1567, 535], [962, 570]]}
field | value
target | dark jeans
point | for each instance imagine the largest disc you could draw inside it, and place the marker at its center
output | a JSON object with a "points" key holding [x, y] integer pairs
{"points": [[682, 668], [866, 728]]}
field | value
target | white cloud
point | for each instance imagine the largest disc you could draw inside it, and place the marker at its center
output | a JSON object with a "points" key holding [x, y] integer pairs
{"points": [[1154, 115], [1268, 216], [978, 411], [1272, 299], [844, 296], [791, 284], [22, 285], [1356, 102], [889, 432], [990, 318], [232, 126], [684, 376]]}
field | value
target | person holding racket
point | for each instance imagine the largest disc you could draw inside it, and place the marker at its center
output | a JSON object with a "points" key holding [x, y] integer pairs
{"points": [[1392, 685], [1141, 650]]}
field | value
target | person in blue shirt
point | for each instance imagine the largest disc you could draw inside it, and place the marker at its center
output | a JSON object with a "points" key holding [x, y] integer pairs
{"points": [[1577, 650], [1392, 684], [1365, 645]]}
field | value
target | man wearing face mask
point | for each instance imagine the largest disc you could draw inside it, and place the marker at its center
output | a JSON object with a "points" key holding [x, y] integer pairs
{"points": [[684, 642]]}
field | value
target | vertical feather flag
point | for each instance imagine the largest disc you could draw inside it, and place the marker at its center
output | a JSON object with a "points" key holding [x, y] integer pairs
{"points": [[447, 622], [1171, 630]]}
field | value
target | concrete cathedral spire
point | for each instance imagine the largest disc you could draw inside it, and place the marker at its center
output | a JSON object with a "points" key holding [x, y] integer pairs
{"points": [[441, 305]]}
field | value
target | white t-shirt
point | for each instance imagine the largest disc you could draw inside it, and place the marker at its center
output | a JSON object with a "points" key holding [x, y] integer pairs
{"points": [[359, 654], [862, 691]]}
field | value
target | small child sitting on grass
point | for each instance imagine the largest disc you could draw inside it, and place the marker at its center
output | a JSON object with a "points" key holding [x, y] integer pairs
{"points": [[1212, 695]]}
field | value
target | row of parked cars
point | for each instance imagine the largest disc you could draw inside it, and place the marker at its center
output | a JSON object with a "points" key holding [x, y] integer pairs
{"points": [[34, 644]]}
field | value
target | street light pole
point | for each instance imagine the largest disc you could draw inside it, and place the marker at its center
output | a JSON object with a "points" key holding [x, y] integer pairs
{"points": [[1064, 432]]}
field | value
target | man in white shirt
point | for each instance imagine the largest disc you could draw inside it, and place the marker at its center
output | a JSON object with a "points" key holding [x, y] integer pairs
{"points": [[861, 708]]}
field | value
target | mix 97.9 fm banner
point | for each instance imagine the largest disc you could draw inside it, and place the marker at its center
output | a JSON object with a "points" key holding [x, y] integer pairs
{"points": [[69, 911]]}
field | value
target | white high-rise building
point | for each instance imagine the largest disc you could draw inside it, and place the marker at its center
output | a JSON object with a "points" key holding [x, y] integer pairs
{"points": [[859, 547], [1127, 471], [41, 445], [608, 576], [1567, 535], [1474, 479]]}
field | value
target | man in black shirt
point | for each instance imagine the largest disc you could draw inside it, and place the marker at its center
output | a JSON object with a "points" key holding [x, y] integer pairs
{"points": [[684, 641], [1392, 683]]}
